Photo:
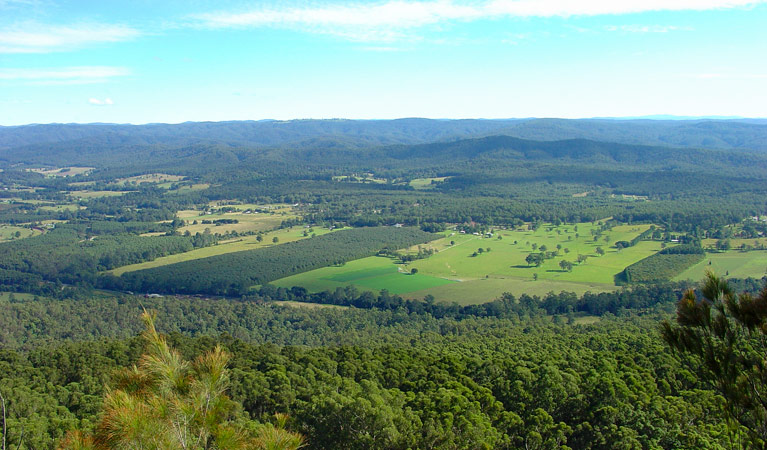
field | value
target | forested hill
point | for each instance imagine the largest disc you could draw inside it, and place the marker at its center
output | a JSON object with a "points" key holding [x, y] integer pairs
{"points": [[188, 156], [270, 133], [721, 134], [584, 151]]}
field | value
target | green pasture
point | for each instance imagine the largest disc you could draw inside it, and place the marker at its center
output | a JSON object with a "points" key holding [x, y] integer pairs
{"points": [[5, 296], [507, 259], [235, 245], [372, 273], [151, 178], [483, 290], [246, 222], [61, 207], [306, 305], [95, 194], [453, 274], [425, 183], [738, 264], [8, 232]]}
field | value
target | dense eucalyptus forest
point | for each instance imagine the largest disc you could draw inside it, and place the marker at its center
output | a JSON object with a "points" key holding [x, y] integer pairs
{"points": [[200, 224]]}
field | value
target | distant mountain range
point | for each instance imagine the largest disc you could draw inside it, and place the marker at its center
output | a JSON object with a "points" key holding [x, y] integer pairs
{"points": [[230, 142]]}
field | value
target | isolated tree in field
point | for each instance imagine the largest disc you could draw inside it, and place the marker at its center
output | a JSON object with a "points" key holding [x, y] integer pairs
{"points": [[600, 251], [581, 258], [542, 248], [275, 239], [566, 265], [413, 271], [259, 238], [723, 336], [165, 402], [534, 259], [535, 277]]}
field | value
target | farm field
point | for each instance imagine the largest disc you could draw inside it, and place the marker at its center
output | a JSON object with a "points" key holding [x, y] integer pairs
{"points": [[425, 183], [235, 245], [8, 232], [453, 274], [735, 243], [95, 194], [151, 178], [6, 296], [372, 273], [246, 222], [306, 305], [63, 171], [737, 264]]}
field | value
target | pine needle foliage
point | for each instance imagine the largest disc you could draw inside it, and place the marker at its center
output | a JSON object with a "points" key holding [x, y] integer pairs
{"points": [[723, 336], [167, 403]]}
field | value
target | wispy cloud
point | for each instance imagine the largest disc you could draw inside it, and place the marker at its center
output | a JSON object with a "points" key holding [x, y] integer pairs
{"points": [[97, 102], [392, 19], [64, 75], [38, 38], [646, 28]]}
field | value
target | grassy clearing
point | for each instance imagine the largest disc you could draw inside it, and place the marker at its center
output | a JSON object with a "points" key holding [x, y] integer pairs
{"points": [[307, 305], [63, 171], [734, 243], [61, 207], [425, 183], [474, 292], [372, 273], [507, 259], [235, 245], [452, 274], [8, 232], [95, 194], [737, 264], [186, 187], [363, 178], [587, 320], [246, 222], [151, 178], [5, 296]]}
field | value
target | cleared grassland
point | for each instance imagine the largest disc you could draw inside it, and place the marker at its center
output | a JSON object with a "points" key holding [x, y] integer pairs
{"points": [[452, 274], [151, 178], [735, 243], [246, 222], [422, 184], [95, 194], [738, 264], [235, 245], [306, 305], [8, 232], [63, 171], [5, 296], [372, 273]]}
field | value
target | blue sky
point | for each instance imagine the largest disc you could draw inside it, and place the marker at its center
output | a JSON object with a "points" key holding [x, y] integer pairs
{"points": [[145, 61]]}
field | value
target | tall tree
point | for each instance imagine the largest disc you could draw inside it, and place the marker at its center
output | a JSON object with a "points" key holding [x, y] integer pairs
{"points": [[724, 337], [165, 402]]}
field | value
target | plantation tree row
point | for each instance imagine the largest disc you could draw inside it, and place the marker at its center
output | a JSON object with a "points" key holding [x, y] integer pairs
{"points": [[235, 273]]}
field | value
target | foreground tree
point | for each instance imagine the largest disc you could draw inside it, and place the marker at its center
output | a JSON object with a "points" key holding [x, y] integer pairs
{"points": [[165, 402], [724, 336]]}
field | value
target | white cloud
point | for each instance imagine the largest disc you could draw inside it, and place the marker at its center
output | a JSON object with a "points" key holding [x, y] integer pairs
{"points": [[39, 38], [96, 102], [63, 75], [388, 20]]}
